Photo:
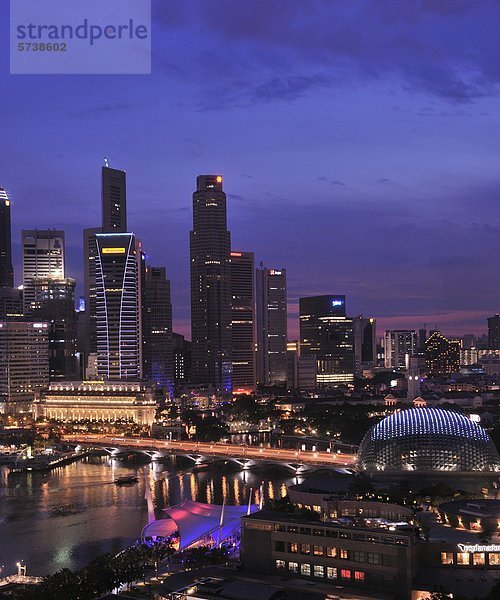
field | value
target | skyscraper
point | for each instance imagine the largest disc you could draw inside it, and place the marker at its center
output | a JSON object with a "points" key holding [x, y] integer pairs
{"points": [[54, 304], [24, 363], [43, 258], [494, 332], [442, 356], [327, 334], [113, 220], [6, 270], [242, 321], [271, 326], [118, 307], [399, 346], [210, 247], [157, 354], [114, 200], [89, 338], [365, 343], [182, 359]]}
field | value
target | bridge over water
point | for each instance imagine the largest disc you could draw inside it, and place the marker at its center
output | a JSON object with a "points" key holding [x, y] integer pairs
{"points": [[199, 452]]}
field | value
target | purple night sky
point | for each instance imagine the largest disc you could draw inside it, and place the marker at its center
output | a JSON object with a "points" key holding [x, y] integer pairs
{"points": [[359, 143]]}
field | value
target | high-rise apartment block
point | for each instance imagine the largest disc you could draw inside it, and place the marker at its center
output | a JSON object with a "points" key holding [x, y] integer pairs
{"points": [[399, 346], [271, 326], [118, 322], [442, 356], [43, 258], [243, 321], [327, 334], [210, 262], [157, 354]]}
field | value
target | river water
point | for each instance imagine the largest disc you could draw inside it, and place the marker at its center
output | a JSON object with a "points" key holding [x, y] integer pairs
{"points": [[68, 516]]}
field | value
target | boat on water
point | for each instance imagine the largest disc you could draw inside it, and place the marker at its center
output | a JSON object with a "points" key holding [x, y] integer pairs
{"points": [[127, 480]]}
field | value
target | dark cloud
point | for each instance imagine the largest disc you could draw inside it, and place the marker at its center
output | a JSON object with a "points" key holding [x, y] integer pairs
{"points": [[447, 49], [334, 181]]}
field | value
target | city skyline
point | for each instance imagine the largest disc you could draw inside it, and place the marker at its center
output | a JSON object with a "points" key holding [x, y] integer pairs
{"points": [[182, 325], [374, 140]]}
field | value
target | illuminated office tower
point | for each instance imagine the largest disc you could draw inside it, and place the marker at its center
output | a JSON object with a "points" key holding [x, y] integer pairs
{"points": [[118, 306], [54, 304], [24, 363], [271, 326], [442, 356], [365, 343], [182, 359], [43, 258], [327, 334], [6, 270], [113, 220], [399, 346], [242, 321], [11, 305], [113, 200], [210, 247], [157, 353], [88, 326]]}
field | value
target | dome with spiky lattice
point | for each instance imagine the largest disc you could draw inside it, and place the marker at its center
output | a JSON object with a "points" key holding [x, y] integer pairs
{"points": [[427, 439]]}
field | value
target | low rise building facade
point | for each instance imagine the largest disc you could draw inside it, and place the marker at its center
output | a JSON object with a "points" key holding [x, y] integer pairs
{"points": [[339, 551], [106, 401]]}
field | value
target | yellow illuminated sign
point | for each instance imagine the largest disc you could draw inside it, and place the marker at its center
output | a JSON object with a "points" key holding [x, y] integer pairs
{"points": [[113, 250]]}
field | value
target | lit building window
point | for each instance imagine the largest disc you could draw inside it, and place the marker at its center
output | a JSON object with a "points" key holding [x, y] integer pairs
{"points": [[331, 572], [345, 574], [331, 552], [293, 567], [294, 548], [305, 569], [359, 575], [280, 565], [344, 554], [305, 548], [319, 571], [446, 558], [494, 558], [478, 558], [463, 558], [318, 550]]}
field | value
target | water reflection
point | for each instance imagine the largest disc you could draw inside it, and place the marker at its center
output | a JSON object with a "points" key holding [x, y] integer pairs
{"points": [[67, 517]]}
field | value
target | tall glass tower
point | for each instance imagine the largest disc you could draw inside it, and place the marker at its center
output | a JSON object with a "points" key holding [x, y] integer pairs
{"points": [[6, 270], [243, 321], [43, 258], [210, 245], [113, 220], [117, 270], [271, 326]]}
